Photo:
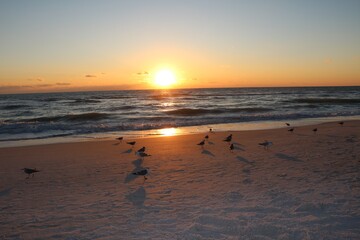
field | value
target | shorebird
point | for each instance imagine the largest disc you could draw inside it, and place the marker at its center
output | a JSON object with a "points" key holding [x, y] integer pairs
{"points": [[287, 124], [202, 143], [341, 123], [141, 150], [142, 154], [228, 138], [131, 143], [211, 130], [266, 144], [291, 130], [232, 147], [142, 172], [30, 171], [120, 138], [207, 137], [315, 130]]}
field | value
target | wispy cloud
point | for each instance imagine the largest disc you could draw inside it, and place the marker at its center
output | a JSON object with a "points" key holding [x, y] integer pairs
{"points": [[63, 84], [35, 79], [90, 76]]}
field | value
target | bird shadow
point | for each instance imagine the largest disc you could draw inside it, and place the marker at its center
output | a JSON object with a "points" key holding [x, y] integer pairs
{"points": [[288, 157], [244, 160], [128, 151], [137, 163], [211, 143], [5, 192], [115, 144], [238, 148], [204, 151], [238, 144], [138, 197]]}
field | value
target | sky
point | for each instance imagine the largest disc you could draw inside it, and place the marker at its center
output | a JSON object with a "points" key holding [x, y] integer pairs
{"points": [[76, 45]]}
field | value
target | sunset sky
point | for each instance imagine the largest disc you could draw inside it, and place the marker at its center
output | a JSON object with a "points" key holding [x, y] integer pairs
{"points": [[49, 45]]}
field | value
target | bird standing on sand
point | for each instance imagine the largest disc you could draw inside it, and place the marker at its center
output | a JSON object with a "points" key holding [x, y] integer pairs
{"points": [[291, 130], [266, 144], [232, 147], [131, 143], [142, 172], [315, 130], [287, 124], [202, 143], [141, 150], [142, 154], [206, 137], [120, 138], [341, 123], [30, 171], [228, 138]]}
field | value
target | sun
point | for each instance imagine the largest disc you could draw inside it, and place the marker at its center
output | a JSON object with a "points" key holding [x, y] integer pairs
{"points": [[165, 78]]}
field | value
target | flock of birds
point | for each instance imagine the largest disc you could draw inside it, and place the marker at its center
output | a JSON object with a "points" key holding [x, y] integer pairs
{"points": [[142, 154]]}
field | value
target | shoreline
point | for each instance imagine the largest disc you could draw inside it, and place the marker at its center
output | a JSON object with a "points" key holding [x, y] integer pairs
{"points": [[178, 131]]}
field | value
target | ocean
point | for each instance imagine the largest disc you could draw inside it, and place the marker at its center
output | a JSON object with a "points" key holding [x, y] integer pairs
{"points": [[81, 115]]}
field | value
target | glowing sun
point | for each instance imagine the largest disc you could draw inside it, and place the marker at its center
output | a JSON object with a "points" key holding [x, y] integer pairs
{"points": [[164, 78]]}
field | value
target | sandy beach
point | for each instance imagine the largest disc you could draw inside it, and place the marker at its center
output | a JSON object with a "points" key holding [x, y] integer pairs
{"points": [[305, 186]]}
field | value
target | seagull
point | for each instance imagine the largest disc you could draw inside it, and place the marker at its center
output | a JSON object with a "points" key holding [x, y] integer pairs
{"points": [[315, 130], [232, 147], [341, 123], [266, 144], [142, 154], [202, 143], [30, 171], [287, 124], [141, 150], [142, 172], [120, 138], [131, 143], [228, 138], [291, 130]]}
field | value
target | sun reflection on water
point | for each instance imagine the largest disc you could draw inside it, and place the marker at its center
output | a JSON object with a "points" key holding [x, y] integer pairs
{"points": [[169, 131]]}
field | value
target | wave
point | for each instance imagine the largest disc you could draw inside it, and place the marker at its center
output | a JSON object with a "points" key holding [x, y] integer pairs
{"points": [[13, 107], [326, 100], [70, 117], [85, 101], [201, 111]]}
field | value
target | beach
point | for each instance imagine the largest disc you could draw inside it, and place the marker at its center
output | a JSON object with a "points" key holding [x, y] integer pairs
{"points": [[305, 186]]}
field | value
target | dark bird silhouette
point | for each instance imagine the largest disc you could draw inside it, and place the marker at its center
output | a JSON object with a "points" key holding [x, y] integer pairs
{"points": [[266, 144], [142, 154], [232, 147], [210, 130], [30, 171], [207, 137], [131, 143], [202, 143], [315, 130], [287, 124], [142, 172], [228, 138], [341, 123], [120, 138], [291, 129], [141, 150]]}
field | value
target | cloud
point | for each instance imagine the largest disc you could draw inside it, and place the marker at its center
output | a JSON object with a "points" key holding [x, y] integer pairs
{"points": [[36, 79], [90, 76], [143, 73], [63, 84]]}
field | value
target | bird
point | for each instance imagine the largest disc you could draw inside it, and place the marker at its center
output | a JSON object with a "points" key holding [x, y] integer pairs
{"points": [[120, 138], [141, 150], [228, 138], [142, 172], [232, 147], [291, 129], [202, 143], [287, 124], [207, 137], [266, 144], [142, 154], [131, 143], [211, 130], [30, 171], [315, 130], [341, 123]]}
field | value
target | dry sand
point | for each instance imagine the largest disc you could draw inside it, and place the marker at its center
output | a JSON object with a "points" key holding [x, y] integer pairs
{"points": [[306, 186]]}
